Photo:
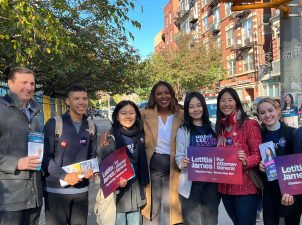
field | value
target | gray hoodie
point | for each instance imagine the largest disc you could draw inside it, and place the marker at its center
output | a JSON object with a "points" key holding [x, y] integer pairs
{"points": [[19, 189]]}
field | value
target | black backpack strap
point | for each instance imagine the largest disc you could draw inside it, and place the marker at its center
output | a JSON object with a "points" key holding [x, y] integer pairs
{"points": [[58, 132], [91, 127]]}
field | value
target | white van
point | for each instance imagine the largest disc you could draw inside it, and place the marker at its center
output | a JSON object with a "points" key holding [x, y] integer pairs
{"points": [[212, 108]]}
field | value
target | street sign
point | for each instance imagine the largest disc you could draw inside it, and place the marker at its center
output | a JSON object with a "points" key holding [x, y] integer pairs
{"points": [[287, 54]]}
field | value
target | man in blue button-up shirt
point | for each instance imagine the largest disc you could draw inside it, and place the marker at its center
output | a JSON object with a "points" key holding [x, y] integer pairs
{"points": [[21, 188]]}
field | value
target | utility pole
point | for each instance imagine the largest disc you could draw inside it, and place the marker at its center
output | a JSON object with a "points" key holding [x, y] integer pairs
{"points": [[290, 63], [290, 55]]}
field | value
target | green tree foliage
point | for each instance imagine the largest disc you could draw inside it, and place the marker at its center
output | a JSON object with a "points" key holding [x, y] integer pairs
{"points": [[189, 66], [117, 98], [70, 41]]}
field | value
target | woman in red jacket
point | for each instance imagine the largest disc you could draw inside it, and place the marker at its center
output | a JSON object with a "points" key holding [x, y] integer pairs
{"points": [[235, 130]]}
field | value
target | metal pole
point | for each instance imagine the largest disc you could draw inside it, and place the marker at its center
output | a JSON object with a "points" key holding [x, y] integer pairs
{"points": [[290, 63]]}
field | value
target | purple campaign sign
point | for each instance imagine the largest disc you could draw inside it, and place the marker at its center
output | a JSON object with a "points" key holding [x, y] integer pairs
{"points": [[289, 171], [219, 165]]}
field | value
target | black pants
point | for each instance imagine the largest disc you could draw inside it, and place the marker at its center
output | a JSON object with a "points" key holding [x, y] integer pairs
{"points": [[160, 191], [23, 217], [271, 212], [202, 205], [62, 209]]}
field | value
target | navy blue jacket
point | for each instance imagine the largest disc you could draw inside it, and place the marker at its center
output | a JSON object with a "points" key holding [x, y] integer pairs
{"points": [[271, 190], [74, 151], [298, 140]]}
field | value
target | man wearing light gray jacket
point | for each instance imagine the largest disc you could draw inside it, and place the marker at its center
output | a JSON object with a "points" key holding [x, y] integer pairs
{"points": [[21, 187]]}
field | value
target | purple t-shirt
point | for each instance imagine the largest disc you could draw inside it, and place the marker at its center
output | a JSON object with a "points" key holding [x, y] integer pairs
{"points": [[204, 140]]}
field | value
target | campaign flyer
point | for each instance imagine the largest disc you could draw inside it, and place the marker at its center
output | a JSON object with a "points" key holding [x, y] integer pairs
{"points": [[81, 166], [36, 145], [289, 102], [211, 164], [268, 154], [115, 166], [289, 170]]}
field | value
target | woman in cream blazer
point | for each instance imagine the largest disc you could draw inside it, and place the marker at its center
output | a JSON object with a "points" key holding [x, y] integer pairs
{"points": [[152, 116]]}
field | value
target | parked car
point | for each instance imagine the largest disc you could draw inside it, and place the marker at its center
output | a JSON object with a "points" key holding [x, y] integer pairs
{"points": [[254, 113], [142, 105], [104, 113]]}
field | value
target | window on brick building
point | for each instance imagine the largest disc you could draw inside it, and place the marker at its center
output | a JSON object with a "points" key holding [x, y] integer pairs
{"points": [[205, 22], [248, 62], [182, 4], [230, 35], [228, 8], [197, 29], [196, 8], [271, 89], [171, 35], [247, 29], [216, 18], [167, 22], [167, 38], [217, 41], [204, 2], [232, 67], [240, 94], [183, 27], [187, 5], [170, 17]]}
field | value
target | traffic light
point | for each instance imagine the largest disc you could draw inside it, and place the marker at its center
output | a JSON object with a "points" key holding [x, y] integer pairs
{"points": [[252, 4]]}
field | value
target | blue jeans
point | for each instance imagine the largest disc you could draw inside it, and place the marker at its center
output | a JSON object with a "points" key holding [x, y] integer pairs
{"points": [[241, 209], [128, 218], [260, 206], [202, 205]]}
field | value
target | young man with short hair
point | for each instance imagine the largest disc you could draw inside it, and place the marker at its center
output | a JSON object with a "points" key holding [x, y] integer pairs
{"points": [[21, 187], [68, 205]]}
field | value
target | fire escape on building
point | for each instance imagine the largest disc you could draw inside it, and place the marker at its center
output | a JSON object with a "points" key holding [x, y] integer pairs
{"points": [[190, 15], [215, 25], [262, 61]]}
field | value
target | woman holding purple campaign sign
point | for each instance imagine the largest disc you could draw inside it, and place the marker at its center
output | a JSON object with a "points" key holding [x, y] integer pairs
{"points": [[235, 130], [127, 130], [275, 205], [199, 200], [161, 118]]}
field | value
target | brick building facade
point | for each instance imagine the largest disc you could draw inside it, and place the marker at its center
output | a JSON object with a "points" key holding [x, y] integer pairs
{"points": [[170, 29], [245, 37], [249, 38]]}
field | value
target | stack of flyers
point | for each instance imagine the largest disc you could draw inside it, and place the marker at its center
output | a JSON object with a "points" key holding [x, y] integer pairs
{"points": [[268, 154], [36, 145], [134, 175], [81, 166]]}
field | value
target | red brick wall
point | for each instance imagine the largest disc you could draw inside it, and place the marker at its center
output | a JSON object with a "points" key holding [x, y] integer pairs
{"points": [[171, 7], [264, 42]]}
